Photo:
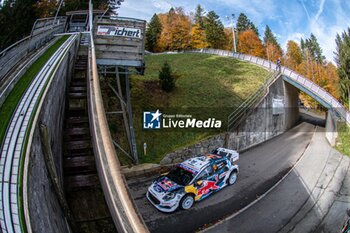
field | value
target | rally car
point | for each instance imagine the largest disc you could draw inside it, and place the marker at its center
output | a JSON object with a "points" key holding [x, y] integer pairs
{"points": [[193, 180]]}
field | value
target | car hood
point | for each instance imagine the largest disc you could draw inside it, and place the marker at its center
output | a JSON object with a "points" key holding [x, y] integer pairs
{"points": [[164, 184]]}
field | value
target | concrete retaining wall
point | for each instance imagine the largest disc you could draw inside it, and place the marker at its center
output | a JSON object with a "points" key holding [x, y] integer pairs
{"points": [[331, 128], [45, 212], [261, 125]]}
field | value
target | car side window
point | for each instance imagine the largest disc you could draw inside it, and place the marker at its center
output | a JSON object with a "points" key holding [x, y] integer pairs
{"points": [[208, 171]]}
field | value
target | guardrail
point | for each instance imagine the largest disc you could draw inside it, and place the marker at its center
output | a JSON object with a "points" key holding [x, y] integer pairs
{"points": [[43, 31], [16, 147], [118, 198], [308, 86]]}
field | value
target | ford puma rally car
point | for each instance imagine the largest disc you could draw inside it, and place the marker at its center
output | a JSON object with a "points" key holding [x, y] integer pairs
{"points": [[193, 180]]}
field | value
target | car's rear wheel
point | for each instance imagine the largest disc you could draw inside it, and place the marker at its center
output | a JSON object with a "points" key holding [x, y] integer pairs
{"points": [[232, 178], [186, 202]]}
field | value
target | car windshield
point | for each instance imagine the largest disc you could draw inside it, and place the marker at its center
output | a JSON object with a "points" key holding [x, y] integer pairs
{"points": [[180, 176]]}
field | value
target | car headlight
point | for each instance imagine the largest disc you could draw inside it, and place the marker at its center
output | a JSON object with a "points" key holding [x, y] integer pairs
{"points": [[169, 196]]}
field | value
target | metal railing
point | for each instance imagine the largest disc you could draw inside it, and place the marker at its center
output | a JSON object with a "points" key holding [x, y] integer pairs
{"points": [[236, 117], [118, 198], [308, 86], [42, 31]]}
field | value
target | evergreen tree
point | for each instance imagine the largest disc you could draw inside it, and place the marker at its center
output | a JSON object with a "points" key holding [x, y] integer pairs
{"points": [[152, 33], [342, 58], [166, 78], [214, 30], [244, 24], [269, 36], [312, 47], [302, 44], [270, 40], [198, 17]]}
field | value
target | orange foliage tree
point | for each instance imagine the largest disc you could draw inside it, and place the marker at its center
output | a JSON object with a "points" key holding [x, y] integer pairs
{"points": [[176, 33], [294, 56], [250, 43], [272, 52], [198, 40]]}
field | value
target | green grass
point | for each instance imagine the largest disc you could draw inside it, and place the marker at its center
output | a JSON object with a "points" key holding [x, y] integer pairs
{"points": [[10, 104], [343, 141], [55, 46], [208, 86]]}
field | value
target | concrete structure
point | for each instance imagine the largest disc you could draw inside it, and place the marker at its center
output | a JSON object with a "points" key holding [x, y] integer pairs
{"points": [[43, 31], [263, 123], [45, 212]]}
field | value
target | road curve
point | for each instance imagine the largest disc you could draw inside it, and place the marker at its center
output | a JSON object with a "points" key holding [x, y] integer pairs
{"points": [[260, 168], [300, 202]]}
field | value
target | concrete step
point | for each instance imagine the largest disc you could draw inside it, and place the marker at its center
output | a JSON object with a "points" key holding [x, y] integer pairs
{"points": [[88, 205], [78, 83], [77, 134], [78, 89], [78, 182], [79, 165], [77, 122], [77, 131], [79, 153], [77, 95], [77, 112], [78, 145]]}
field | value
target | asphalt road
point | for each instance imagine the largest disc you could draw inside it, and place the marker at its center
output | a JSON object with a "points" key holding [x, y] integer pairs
{"points": [[260, 168]]}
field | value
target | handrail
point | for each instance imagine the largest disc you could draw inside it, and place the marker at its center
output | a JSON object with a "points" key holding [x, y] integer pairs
{"points": [[121, 206], [299, 79], [249, 104], [11, 55]]}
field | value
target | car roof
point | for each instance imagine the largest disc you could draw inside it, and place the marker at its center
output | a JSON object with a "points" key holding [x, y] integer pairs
{"points": [[194, 165]]}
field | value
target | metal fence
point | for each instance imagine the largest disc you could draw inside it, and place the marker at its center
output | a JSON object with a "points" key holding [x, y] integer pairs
{"points": [[42, 31], [309, 86]]}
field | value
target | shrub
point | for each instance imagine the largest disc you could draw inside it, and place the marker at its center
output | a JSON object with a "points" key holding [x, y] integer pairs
{"points": [[166, 78]]}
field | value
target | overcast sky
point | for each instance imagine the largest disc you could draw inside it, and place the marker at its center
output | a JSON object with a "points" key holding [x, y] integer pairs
{"points": [[288, 19]]}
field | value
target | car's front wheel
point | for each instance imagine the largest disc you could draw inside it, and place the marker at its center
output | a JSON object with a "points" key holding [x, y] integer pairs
{"points": [[232, 178], [186, 202]]}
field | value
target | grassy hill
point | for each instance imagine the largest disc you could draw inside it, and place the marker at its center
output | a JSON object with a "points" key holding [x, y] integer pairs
{"points": [[208, 86]]}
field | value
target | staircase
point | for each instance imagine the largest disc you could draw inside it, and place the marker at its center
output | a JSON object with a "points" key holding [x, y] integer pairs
{"points": [[82, 187]]}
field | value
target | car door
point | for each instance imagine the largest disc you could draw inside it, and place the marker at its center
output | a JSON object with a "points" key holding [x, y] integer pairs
{"points": [[220, 169], [205, 182]]}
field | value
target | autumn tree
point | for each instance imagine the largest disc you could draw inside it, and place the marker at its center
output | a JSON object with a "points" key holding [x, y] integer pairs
{"points": [[198, 40], [214, 30], [176, 33], [250, 43], [294, 56], [342, 59], [153, 32]]}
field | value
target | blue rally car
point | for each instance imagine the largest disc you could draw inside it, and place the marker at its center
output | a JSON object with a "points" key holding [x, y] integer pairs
{"points": [[193, 180]]}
